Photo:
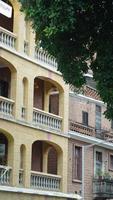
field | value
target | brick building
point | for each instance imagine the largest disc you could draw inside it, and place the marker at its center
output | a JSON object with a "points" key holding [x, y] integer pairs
{"points": [[90, 173], [41, 137]]}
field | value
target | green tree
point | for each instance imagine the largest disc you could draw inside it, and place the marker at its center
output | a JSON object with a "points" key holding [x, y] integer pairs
{"points": [[76, 32]]}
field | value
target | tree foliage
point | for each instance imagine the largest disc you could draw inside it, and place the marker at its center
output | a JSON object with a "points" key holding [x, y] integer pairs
{"points": [[74, 31]]}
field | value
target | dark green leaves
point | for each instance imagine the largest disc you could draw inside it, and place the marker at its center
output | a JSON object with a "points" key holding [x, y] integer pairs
{"points": [[72, 31]]}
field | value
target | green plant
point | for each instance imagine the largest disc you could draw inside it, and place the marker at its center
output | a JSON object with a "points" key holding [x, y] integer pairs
{"points": [[99, 174], [78, 34], [106, 175], [102, 175]]}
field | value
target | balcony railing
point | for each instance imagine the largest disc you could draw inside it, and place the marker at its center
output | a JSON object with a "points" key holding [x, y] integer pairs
{"points": [[103, 188], [5, 173], [45, 58], [6, 106], [104, 134], [7, 38], [47, 120], [86, 130], [45, 181]]}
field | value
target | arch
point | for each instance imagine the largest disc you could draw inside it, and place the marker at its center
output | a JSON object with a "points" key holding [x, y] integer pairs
{"points": [[45, 96], [47, 157], [6, 63], [52, 161], [7, 78], [58, 148], [7, 135], [6, 22], [52, 81]]}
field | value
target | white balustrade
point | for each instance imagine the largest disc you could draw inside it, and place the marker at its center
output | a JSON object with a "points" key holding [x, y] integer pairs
{"points": [[6, 106], [5, 172], [47, 120], [45, 181], [21, 178], [44, 57], [7, 38]]}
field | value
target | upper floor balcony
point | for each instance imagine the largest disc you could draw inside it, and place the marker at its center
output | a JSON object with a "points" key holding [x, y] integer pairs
{"points": [[32, 91], [45, 106], [102, 189], [17, 36], [79, 127], [44, 170], [90, 131]]}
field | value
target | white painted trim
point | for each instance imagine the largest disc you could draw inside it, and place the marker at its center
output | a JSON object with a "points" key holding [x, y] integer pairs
{"points": [[91, 140], [39, 192]]}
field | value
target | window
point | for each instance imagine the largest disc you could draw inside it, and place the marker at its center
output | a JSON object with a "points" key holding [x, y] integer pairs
{"points": [[77, 168], [111, 161], [85, 118], [98, 161], [98, 117]]}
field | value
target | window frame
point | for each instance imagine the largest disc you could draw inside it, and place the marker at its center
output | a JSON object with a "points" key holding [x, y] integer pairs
{"points": [[85, 120], [98, 118], [110, 168], [101, 151], [75, 177]]}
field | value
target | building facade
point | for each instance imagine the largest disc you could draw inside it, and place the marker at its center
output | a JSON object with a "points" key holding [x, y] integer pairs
{"points": [[44, 125], [90, 170], [33, 115]]}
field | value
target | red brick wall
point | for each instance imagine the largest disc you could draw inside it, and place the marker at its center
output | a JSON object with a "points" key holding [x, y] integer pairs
{"points": [[75, 186]]}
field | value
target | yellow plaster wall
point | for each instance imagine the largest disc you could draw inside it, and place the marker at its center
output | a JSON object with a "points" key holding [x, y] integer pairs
{"points": [[24, 66], [26, 135], [20, 196]]}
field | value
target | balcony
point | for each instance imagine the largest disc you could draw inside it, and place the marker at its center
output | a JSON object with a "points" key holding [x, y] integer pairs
{"points": [[78, 127], [7, 38], [103, 188], [103, 134], [45, 181], [6, 107], [43, 57], [5, 174], [46, 120]]}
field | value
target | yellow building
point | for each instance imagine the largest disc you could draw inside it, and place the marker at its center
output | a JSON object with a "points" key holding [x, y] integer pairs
{"points": [[33, 115]]}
